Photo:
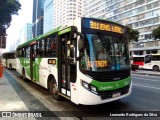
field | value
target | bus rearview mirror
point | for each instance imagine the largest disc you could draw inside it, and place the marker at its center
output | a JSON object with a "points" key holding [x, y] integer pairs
{"points": [[73, 35], [81, 44]]}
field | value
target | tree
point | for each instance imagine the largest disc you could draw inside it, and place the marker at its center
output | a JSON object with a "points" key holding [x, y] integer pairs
{"points": [[156, 33], [7, 9], [133, 34]]}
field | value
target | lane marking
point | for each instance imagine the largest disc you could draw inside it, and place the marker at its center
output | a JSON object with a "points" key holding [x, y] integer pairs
{"points": [[146, 86], [147, 79], [145, 75]]}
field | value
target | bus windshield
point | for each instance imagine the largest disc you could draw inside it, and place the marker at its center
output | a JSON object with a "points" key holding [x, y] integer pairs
{"points": [[104, 53]]}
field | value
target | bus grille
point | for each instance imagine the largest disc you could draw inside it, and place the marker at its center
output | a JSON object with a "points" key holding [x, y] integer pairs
{"points": [[108, 94]]}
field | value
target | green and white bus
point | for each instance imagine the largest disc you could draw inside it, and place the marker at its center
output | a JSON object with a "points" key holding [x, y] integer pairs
{"points": [[9, 59], [65, 61]]}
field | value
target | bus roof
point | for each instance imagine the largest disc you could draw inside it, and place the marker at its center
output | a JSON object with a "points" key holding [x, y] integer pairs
{"points": [[138, 55], [146, 55]]}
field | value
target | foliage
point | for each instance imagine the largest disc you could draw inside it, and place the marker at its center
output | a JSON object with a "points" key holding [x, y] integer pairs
{"points": [[133, 34], [7, 9], [156, 33]]}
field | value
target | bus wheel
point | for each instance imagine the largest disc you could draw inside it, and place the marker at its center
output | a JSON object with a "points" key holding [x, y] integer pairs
{"points": [[54, 90], [10, 66], [155, 68], [23, 75]]}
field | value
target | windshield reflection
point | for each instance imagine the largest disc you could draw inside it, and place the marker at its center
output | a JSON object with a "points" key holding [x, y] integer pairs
{"points": [[104, 53]]}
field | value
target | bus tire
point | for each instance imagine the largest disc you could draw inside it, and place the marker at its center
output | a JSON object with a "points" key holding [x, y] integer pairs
{"points": [[155, 68], [53, 88], [23, 75], [10, 66]]}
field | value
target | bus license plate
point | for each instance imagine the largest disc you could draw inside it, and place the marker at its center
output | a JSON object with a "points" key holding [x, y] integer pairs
{"points": [[116, 95]]}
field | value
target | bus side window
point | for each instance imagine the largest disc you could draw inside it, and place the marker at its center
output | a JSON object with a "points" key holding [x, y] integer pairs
{"points": [[40, 48], [50, 47], [23, 52], [28, 51], [158, 58], [147, 59]]}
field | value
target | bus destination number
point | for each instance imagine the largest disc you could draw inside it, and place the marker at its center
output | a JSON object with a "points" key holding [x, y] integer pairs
{"points": [[52, 61], [106, 26]]}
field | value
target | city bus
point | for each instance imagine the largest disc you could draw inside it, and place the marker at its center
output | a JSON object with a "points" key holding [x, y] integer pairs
{"points": [[148, 61], [9, 59], [138, 60], [65, 61]]}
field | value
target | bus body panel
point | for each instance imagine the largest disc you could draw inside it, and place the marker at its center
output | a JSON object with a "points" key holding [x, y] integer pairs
{"points": [[43, 70], [23, 64], [11, 62], [139, 63], [4, 62], [19, 66], [81, 95], [151, 65], [86, 96], [77, 88]]}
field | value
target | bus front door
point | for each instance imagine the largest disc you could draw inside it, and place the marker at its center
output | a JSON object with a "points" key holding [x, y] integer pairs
{"points": [[67, 70], [64, 71], [33, 62]]}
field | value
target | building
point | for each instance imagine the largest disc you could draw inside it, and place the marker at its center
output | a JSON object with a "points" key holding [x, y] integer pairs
{"points": [[26, 33], [141, 15], [61, 12], [37, 19], [48, 23]]}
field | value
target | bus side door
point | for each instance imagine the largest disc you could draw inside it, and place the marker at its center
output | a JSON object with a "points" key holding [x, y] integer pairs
{"points": [[33, 62]]}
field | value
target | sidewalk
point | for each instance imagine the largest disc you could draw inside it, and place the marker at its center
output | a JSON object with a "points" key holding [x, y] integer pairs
{"points": [[9, 100], [146, 72], [15, 100]]}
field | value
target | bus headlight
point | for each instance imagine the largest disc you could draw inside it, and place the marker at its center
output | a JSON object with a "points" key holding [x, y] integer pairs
{"points": [[89, 87], [85, 84], [93, 88]]}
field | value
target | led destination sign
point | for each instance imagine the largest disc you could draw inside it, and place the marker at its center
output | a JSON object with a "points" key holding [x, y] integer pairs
{"points": [[105, 26], [101, 63]]}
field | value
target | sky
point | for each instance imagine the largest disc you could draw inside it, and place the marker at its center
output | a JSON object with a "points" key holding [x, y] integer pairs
{"points": [[18, 21]]}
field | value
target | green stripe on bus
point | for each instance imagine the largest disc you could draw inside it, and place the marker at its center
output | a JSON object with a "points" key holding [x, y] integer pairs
{"points": [[104, 86], [25, 62], [64, 31]]}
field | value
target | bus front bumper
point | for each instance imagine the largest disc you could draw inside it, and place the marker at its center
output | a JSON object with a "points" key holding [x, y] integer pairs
{"points": [[88, 98]]}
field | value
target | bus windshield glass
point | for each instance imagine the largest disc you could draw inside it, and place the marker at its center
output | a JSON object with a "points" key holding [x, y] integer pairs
{"points": [[104, 53]]}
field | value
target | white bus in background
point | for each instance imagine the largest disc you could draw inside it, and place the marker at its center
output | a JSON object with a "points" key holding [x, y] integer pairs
{"points": [[148, 61], [9, 59]]}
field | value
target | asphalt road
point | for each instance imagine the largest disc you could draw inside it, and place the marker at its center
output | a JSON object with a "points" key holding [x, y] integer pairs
{"points": [[145, 97], [146, 92]]}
